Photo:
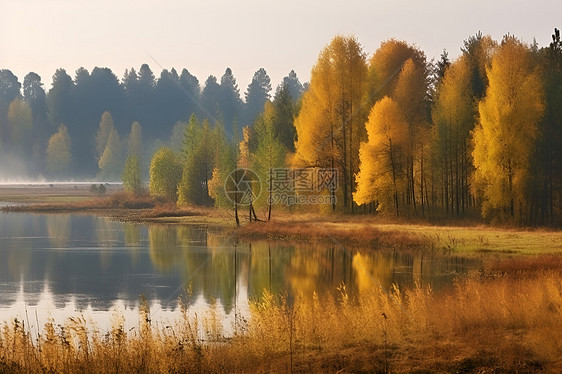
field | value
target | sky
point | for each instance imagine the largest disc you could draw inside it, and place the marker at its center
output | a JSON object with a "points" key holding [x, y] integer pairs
{"points": [[207, 36]]}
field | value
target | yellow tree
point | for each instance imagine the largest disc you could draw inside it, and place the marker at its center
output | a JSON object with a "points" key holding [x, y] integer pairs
{"points": [[20, 121], [382, 172], [165, 174], [58, 151], [386, 65], [505, 137], [453, 117], [411, 95], [330, 124], [111, 161], [106, 125], [134, 141], [400, 71]]}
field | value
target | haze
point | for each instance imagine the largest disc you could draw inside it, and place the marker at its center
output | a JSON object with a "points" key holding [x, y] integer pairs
{"points": [[208, 36]]}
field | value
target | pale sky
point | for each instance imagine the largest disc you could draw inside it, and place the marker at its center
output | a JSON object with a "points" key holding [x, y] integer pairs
{"points": [[206, 36]]}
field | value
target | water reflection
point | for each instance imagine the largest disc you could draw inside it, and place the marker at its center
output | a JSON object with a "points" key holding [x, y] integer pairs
{"points": [[93, 263]]}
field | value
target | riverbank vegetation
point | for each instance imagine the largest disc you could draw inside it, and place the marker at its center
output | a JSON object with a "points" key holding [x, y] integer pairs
{"points": [[504, 318]]}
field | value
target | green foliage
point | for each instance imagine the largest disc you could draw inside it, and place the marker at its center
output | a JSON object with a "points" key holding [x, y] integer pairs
{"points": [[284, 119], [132, 175], [199, 165], [165, 174], [270, 153], [225, 163]]}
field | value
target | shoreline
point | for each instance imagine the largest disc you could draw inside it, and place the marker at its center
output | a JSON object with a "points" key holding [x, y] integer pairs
{"points": [[342, 230]]}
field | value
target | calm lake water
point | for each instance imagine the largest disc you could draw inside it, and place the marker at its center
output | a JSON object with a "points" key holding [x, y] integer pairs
{"points": [[58, 265]]}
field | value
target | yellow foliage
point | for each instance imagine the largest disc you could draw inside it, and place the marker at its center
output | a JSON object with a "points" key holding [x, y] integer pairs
{"points": [[58, 151], [330, 124], [387, 63], [505, 137], [244, 159], [381, 175]]}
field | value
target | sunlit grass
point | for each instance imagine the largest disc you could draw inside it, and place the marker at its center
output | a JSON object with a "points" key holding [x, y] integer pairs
{"points": [[481, 239], [508, 318]]}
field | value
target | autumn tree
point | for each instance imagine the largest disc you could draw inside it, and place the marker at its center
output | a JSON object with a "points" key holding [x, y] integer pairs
{"points": [[165, 174], [20, 127], [132, 175], [110, 163], [382, 176], [105, 127], [331, 122], [453, 115], [134, 140], [400, 71], [386, 65], [507, 132], [59, 152]]}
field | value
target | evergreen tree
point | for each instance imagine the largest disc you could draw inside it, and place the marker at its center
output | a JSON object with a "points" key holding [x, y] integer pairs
{"points": [[284, 119], [292, 83], [229, 100], [257, 94]]}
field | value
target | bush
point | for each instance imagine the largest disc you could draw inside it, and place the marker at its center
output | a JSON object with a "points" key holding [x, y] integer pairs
{"points": [[165, 174]]}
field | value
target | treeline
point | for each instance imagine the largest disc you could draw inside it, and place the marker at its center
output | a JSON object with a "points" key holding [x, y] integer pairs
{"points": [[414, 138], [477, 135], [56, 134], [407, 136]]}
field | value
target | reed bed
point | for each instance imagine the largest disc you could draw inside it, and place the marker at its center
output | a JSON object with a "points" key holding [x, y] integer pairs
{"points": [[499, 321]]}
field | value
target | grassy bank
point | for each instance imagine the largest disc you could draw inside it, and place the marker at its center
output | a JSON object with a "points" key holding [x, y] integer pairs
{"points": [[508, 319], [380, 232], [342, 230]]}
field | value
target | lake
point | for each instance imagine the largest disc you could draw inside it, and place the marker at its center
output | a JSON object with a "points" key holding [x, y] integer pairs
{"points": [[60, 265]]}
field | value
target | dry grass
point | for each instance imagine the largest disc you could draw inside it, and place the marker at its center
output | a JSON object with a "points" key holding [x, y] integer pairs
{"points": [[510, 322], [116, 200], [341, 234]]}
